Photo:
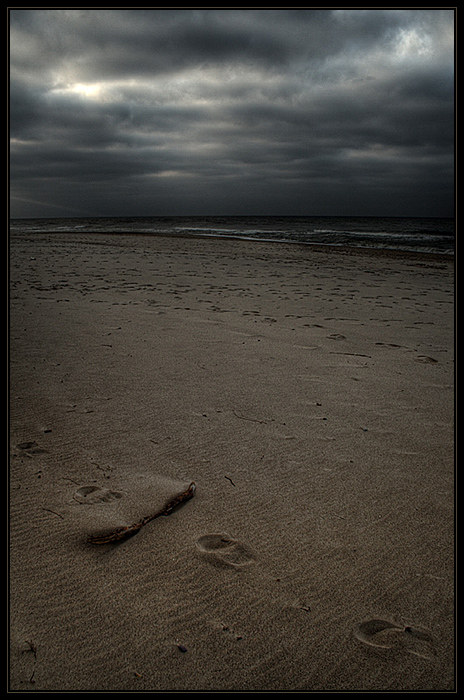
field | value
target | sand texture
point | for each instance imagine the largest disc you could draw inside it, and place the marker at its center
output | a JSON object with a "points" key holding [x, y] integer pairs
{"points": [[308, 393]]}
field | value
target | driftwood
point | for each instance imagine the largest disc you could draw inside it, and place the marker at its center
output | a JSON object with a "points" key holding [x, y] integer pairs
{"points": [[123, 532]]}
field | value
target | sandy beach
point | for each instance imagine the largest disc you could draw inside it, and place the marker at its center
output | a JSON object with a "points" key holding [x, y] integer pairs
{"points": [[309, 395]]}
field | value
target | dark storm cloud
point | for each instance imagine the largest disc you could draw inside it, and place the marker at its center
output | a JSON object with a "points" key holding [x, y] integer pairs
{"points": [[144, 112]]}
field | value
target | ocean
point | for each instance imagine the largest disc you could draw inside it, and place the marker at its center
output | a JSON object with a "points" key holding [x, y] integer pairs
{"points": [[423, 235]]}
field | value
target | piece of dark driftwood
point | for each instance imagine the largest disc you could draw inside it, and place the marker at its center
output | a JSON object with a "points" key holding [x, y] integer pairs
{"points": [[123, 532]]}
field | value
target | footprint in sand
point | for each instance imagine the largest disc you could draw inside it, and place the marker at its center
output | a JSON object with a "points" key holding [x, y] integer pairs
{"points": [[31, 448], [95, 494], [384, 635], [223, 550]]}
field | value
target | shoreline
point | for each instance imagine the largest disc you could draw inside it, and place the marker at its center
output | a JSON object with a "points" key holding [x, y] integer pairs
{"points": [[248, 239], [308, 393]]}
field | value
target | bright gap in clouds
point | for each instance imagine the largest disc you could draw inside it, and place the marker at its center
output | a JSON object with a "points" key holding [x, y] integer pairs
{"points": [[193, 87], [90, 91], [87, 90]]}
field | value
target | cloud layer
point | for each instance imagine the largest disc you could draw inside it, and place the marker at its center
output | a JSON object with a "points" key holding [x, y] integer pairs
{"points": [[166, 112]]}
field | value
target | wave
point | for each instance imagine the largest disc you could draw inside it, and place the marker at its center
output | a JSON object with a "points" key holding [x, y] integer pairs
{"points": [[409, 234]]}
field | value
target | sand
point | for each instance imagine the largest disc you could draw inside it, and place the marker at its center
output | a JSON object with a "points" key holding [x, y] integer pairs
{"points": [[308, 393]]}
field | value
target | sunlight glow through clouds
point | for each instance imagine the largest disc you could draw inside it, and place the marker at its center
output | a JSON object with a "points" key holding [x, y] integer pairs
{"points": [[90, 91]]}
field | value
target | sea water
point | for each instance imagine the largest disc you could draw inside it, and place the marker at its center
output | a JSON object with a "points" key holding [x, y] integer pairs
{"points": [[425, 235]]}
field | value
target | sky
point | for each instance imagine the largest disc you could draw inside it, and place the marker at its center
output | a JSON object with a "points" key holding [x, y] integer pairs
{"points": [[291, 112]]}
